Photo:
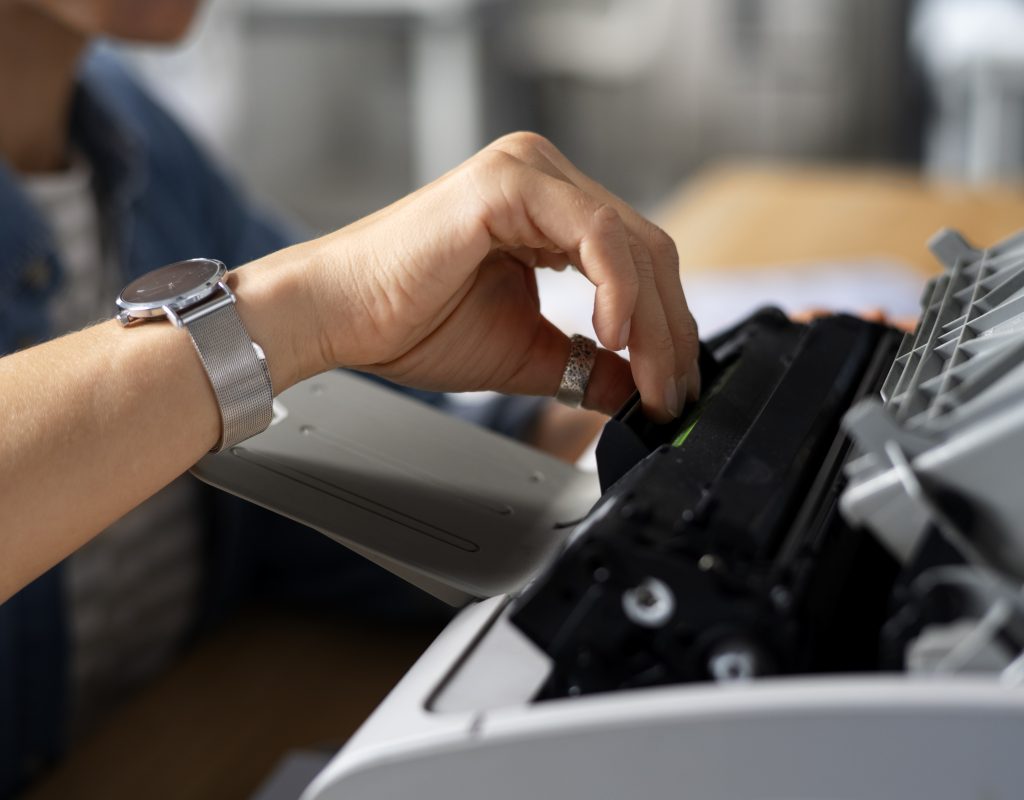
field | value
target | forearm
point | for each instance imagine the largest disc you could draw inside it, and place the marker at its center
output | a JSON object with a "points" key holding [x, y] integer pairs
{"points": [[95, 422]]}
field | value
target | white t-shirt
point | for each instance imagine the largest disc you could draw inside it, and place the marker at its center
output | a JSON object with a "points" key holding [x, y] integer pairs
{"points": [[134, 589]]}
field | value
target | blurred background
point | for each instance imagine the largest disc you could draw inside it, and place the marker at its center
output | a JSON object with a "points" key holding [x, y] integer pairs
{"points": [[332, 108]]}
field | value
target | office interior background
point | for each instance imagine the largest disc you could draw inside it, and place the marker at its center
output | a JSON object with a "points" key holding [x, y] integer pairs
{"points": [[333, 108]]}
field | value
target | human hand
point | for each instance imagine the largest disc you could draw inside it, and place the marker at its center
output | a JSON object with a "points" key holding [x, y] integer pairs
{"points": [[438, 290]]}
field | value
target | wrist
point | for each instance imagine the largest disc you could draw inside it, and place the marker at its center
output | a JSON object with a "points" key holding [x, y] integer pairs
{"points": [[274, 301]]}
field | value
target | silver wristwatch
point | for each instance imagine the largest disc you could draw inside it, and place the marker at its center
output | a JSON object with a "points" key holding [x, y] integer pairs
{"points": [[194, 295]]}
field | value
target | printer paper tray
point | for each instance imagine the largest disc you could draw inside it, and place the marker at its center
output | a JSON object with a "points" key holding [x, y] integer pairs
{"points": [[454, 509]]}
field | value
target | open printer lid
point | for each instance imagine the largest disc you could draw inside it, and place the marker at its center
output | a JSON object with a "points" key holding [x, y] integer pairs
{"points": [[457, 510]]}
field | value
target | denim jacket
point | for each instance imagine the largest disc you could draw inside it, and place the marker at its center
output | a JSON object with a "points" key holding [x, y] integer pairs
{"points": [[162, 200]]}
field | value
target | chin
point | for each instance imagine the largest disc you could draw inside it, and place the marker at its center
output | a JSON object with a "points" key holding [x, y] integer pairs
{"points": [[163, 21]]}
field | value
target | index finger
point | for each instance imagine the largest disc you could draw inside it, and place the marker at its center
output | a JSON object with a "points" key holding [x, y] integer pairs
{"points": [[523, 206], [654, 253]]}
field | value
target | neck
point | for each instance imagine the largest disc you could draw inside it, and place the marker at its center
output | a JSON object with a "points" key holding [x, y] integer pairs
{"points": [[38, 60]]}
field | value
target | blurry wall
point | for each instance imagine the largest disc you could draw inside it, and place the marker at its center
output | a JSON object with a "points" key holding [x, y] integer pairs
{"points": [[326, 106], [326, 128], [971, 56], [776, 78]]}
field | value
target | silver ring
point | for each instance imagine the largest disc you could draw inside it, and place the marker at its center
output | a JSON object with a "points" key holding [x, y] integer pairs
{"points": [[576, 376]]}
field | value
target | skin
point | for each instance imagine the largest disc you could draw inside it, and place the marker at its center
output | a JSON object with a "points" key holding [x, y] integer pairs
{"points": [[40, 44], [437, 291], [158, 21]]}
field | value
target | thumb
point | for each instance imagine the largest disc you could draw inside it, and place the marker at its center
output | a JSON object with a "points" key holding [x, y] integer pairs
{"points": [[610, 385]]}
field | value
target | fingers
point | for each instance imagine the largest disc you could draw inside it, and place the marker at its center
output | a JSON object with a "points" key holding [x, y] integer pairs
{"points": [[661, 381], [525, 207], [611, 382], [683, 328], [662, 338], [610, 385], [659, 246]]}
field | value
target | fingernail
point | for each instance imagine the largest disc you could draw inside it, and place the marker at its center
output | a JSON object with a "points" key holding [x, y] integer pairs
{"points": [[672, 398], [624, 336], [695, 383]]}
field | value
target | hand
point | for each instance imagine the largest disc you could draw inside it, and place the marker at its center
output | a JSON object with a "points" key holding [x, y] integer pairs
{"points": [[438, 290]]}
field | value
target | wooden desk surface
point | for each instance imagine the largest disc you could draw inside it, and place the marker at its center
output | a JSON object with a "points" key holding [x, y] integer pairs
{"points": [[216, 724], [750, 215]]}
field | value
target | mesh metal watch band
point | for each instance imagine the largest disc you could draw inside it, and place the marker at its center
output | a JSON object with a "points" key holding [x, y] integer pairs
{"points": [[237, 369]]}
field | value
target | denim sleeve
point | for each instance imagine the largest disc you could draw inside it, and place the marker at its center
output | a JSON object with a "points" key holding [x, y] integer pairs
{"points": [[33, 683]]}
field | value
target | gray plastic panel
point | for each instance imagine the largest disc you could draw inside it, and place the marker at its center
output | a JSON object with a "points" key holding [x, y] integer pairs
{"points": [[454, 509], [950, 423], [836, 738]]}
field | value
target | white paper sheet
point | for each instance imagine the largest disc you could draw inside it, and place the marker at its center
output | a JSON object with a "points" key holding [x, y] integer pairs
{"points": [[720, 298]]}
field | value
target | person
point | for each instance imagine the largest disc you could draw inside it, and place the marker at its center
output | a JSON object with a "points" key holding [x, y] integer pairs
{"points": [[436, 291]]}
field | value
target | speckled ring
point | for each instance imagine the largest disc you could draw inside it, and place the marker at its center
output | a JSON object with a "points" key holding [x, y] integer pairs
{"points": [[582, 352]]}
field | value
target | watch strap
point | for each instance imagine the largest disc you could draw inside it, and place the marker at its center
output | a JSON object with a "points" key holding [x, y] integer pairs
{"points": [[238, 372]]}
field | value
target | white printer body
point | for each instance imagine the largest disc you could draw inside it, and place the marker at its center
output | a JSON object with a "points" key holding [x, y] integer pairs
{"points": [[475, 519], [462, 724]]}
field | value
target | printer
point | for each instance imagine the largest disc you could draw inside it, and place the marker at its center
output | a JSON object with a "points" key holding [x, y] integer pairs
{"points": [[809, 586]]}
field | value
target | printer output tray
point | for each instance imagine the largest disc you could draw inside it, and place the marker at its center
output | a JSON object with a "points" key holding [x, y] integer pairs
{"points": [[453, 508]]}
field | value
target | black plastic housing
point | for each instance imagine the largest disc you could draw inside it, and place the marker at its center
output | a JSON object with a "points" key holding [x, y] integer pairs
{"points": [[733, 510]]}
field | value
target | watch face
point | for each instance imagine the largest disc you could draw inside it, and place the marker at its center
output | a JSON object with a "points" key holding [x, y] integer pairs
{"points": [[177, 285]]}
